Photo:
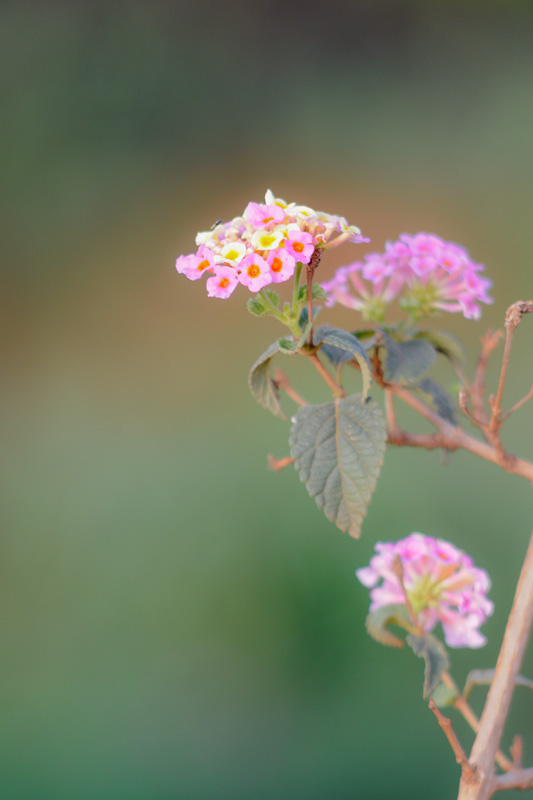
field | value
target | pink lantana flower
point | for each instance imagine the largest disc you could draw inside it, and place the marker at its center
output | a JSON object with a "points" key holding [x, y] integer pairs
{"points": [[254, 272], [223, 282], [281, 264], [441, 582], [263, 229], [427, 274]]}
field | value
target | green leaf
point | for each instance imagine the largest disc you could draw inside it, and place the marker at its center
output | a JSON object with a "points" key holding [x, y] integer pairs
{"points": [[261, 384], [273, 296], [256, 307], [378, 621], [444, 695], [434, 654], [477, 677], [440, 400], [340, 347], [406, 361], [444, 343], [367, 337], [338, 450]]}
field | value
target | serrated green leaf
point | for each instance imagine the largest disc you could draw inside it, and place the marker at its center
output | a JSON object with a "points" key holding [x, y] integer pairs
{"points": [[338, 450], [261, 384], [256, 307], [478, 677], [440, 400], [340, 347], [434, 654], [378, 621], [444, 695], [444, 343], [273, 296], [406, 361]]}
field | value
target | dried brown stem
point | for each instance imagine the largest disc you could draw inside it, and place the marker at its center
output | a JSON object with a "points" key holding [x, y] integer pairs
{"points": [[278, 464], [516, 750], [489, 343], [281, 380], [310, 271], [512, 321], [464, 708], [463, 405], [452, 437], [517, 779], [501, 689], [389, 411], [460, 755]]}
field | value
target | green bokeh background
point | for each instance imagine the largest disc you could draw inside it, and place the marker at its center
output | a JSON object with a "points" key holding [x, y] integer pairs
{"points": [[177, 622]]}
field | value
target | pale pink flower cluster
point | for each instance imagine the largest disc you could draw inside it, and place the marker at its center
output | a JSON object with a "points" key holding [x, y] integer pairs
{"points": [[441, 582], [428, 273], [263, 246]]}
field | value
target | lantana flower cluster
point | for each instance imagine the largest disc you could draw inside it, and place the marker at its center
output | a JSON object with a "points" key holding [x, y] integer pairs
{"points": [[441, 582], [426, 273], [263, 245]]}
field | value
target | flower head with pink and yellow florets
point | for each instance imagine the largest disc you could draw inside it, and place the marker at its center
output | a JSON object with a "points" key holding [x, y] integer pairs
{"points": [[263, 246], [441, 582], [425, 273]]}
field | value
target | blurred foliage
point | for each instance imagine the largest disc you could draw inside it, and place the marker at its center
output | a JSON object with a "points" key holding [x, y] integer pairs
{"points": [[177, 622]]}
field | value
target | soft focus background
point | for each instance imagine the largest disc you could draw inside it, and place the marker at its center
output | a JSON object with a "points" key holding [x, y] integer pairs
{"points": [[177, 622]]}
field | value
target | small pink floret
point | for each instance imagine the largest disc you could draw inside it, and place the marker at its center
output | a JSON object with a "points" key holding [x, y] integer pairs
{"points": [[254, 272], [223, 282], [300, 246]]}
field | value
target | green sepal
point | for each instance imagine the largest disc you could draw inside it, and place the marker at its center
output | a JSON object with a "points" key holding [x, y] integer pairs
{"points": [[338, 450], [378, 621], [440, 400], [444, 695], [434, 654], [479, 677], [340, 347], [443, 343], [406, 361]]}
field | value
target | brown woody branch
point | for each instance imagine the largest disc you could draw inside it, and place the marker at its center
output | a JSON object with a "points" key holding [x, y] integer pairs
{"points": [[460, 755]]}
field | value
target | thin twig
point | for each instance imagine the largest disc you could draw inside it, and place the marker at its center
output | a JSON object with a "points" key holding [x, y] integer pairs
{"points": [[516, 750], [464, 708], [336, 388], [389, 410], [512, 321], [453, 437], [278, 464], [281, 380], [463, 405], [310, 269], [516, 406], [489, 343], [460, 755], [517, 779]]}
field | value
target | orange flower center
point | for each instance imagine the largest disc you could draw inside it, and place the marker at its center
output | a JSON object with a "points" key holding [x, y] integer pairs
{"points": [[203, 265], [276, 265], [223, 283], [267, 220], [298, 246], [253, 271]]}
